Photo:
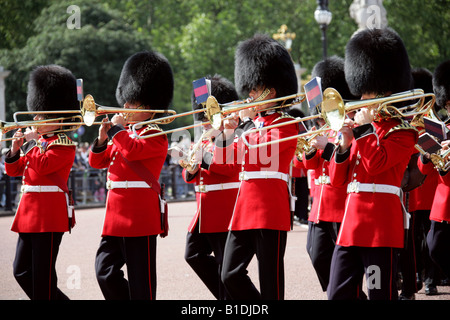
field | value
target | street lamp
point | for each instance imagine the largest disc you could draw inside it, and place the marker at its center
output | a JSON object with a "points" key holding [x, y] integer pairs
{"points": [[323, 18]]}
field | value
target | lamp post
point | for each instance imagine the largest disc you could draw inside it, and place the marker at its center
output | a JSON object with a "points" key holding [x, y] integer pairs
{"points": [[323, 18]]}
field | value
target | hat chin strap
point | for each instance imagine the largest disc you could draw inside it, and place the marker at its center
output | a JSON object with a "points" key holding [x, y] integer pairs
{"points": [[263, 95]]}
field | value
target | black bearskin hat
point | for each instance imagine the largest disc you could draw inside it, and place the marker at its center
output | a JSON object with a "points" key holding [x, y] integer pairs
{"points": [[423, 79], [146, 78], [376, 61], [263, 62], [52, 88], [441, 83], [331, 72], [221, 88]]}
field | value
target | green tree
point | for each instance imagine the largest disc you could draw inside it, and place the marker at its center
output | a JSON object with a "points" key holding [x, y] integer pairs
{"points": [[17, 21], [95, 52], [424, 27]]}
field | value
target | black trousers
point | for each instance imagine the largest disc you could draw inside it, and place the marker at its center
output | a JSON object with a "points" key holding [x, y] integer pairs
{"points": [[348, 266], [34, 265], [320, 245], [302, 193], [139, 254], [269, 247], [438, 240], [408, 265], [198, 254], [425, 265]]}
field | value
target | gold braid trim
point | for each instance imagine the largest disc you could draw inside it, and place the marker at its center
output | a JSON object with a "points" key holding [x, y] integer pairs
{"points": [[283, 115], [63, 140], [150, 127], [402, 126]]}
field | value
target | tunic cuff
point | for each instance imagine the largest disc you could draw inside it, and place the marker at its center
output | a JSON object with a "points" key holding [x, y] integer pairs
{"points": [[207, 160], [363, 130], [28, 146], [341, 157], [12, 159], [114, 130], [189, 176], [328, 151], [96, 148]]}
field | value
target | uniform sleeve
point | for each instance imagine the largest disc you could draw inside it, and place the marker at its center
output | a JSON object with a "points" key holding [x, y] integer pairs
{"points": [[187, 177], [298, 163], [312, 160], [14, 165], [99, 157], [379, 155], [339, 168]]}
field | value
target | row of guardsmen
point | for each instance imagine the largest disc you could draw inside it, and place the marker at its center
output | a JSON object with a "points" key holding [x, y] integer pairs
{"points": [[357, 219]]}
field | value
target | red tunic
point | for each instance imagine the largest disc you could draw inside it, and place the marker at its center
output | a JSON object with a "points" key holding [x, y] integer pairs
{"points": [[440, 211], [329, 201], [214, 208], [43, 211], [421, 198], [132, 212], [381, 157], [264, 203]]}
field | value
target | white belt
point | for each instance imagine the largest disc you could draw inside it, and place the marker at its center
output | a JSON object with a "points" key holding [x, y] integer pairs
{"points": [[372, 187], [249, 175], [322, 180], [126, 184], [27, 188], [215, 187]]}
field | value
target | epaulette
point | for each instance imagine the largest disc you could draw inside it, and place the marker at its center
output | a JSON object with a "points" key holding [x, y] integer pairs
{"points": [[283, 115], [150, 127], [63, 140], [402, 126]]}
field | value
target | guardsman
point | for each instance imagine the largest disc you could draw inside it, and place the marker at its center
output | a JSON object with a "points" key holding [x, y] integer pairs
{"points": [[44, 162], [438, 239], [419, 192], [329, 201], [261, 217], [133, 214], [216, 187], [372, 156]]}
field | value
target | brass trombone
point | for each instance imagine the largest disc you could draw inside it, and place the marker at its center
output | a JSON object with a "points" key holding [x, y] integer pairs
{"points": [[215, 112], [334, 112], [5, 127], [91, 110]]}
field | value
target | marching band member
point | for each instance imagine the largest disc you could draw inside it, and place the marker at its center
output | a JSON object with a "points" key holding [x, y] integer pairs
{"points": [[43, 214], [261, 217], [438, 239], [299, 176], [216, 187], [372, 157], [329, 201], [419, 193], [133, 214]]}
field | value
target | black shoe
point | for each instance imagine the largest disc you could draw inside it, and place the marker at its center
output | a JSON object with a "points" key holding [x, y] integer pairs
{"points": [[419, 283], [405, 296], [445, 282], [430, 290]]}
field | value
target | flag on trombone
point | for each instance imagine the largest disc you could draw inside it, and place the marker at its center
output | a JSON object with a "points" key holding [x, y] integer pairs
{"points": [[313, 90], [80, 89], [201, 90]]}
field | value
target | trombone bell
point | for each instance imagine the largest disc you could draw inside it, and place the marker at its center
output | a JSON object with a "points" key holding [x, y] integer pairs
{"points": [[213, 112], [89, 110], [333, 109]]}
